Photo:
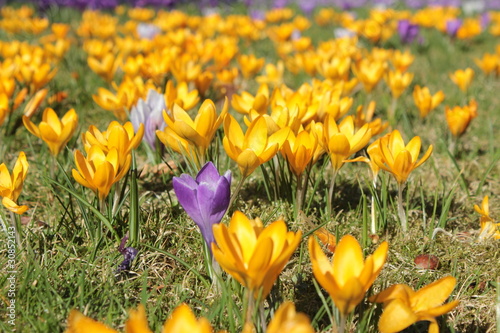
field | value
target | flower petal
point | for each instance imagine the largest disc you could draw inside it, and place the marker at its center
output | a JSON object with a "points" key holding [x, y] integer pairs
{"points": [[396, 317]]}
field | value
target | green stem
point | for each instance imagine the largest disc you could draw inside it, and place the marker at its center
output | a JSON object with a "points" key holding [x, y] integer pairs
{"points": [[372, 207], [250, 307], [299, 195], [134, 206], [343, 320], [401, 210], [276, 177], [236, 192], [262, 314], [392, 111], [116, 199], [54, 166], [16, 223], [330, 192]]}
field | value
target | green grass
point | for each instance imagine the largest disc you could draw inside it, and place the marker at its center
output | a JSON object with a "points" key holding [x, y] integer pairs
{"points": [[60, 268]]}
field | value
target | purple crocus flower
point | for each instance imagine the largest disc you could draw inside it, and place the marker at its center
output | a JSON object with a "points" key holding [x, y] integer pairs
{"points": [[452, 27], [407, 31], [149, 112], [205, 199]]}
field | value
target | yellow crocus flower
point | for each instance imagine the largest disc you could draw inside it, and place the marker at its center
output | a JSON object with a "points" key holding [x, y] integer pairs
{"points": [[299, 151], [181, 96], [400, 160], [390, 154], [252, 254], [253, 148], [246, 102], [403, 306], [489, 228], [470, 28], [426, 102], [462, 78], [250, 65], [488, 63], [459, 118], [280, 117], [112, 102], [36, 75], [369, 73], [11, 185], [286, 319], [484, 210], [334, 68], [273, 75], [348, 276], [203, 82], [184, 320], [342, 140], [105, 67], [197, 133], [120, 137], [79, 323], [54, 131], [100, 170], [402, 60], [398, 81]]}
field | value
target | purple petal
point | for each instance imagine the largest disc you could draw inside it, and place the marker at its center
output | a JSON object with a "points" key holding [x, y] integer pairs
{"points": [[206, 199], [208, 174], [221, 200], [227, 175], [185, 189]]}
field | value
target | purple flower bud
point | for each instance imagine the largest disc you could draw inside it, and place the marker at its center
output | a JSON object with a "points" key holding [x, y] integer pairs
{"points": [[129, 254], [150, 113], [205, 199]]}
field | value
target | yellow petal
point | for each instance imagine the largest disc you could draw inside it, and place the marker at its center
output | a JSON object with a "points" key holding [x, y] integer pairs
{"points": [[433, 294], [137, 322], [348, 260], [50, 117], [13, 207], [402, 166], [322, 268], [441, 310], [31, 127], [247, 162], [414, 148], [183, 320], [425, 157], [256, 136], [205, 120], [396, 317], [349, 295], [78, 323]]}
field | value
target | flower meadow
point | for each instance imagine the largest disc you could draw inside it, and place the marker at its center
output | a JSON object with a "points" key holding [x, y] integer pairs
{"points": [[250, 166]]}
